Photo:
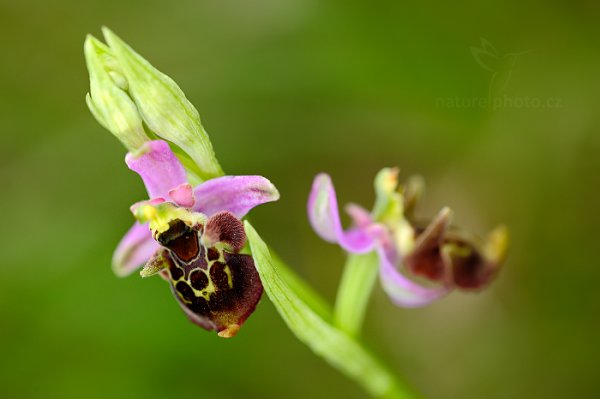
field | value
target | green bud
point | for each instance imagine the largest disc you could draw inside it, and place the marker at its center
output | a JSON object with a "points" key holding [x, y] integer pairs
{"points": [[164, 107], [109, 103], [389, 203]]}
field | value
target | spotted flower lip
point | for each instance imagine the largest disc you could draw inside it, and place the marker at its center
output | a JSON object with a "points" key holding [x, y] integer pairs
{"points": [[445, 256], [165, 181]]}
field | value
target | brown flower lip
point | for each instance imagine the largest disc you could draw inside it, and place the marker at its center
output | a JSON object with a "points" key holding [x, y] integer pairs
{"points": [[452, 256], [217, 287]]}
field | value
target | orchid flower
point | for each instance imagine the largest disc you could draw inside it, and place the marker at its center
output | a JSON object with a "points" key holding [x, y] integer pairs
{"points": [[194, 238], [446, 256]]}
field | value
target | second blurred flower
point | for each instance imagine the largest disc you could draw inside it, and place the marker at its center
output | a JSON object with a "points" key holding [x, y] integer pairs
{"points": [[446, 256]]}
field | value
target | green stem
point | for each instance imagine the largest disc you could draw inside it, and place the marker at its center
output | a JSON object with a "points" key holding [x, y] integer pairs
{"points": [[360, 273], [307, 316]]}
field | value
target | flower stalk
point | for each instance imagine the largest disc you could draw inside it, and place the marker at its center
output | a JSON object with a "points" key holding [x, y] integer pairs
{"points": [[358, 279]]}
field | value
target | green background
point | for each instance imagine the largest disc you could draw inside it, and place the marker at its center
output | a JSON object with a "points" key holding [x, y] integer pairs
{"points": [[286, 90]]}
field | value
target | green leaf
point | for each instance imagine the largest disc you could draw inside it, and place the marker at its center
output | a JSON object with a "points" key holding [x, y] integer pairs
{"points": [[337, 348], [304, 291]]}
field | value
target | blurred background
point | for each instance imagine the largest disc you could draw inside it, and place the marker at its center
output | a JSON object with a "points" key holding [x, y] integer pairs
{"points": [[286, 90]]}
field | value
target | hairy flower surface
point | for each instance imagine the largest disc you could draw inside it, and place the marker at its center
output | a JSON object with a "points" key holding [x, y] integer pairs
{"points": [[193, 236], [446, 256]]}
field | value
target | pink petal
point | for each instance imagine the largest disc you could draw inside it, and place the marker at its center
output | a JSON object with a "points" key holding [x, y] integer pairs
{"points": [[134, 250], [236, 194], [401, 290], [324, 217], [360, 216], [183, 195], [158, 167]]}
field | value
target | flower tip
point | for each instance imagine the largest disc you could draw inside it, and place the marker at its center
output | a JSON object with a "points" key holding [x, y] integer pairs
{"points": [[144, 273], [387, 179], [114, 41], [108, 34], [270, 192], [117, 267], [496, 245], [321, 180], [92, 48], [275, 196], [445, 215], [229, 332], [87, 44]]}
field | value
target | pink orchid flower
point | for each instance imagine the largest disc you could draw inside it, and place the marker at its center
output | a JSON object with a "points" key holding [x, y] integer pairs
{"points": [[193, 236], [448, 257]]}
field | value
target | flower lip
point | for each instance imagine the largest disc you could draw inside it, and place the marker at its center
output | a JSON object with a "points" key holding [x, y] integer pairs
{"points": [[456, 257], [217, 287]]}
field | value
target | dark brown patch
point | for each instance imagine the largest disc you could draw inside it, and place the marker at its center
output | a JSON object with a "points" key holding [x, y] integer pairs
{"points": [[246, 285], [219, 277], [469, 271], [199, 306], [180, 239], [199, 280], [221, 301], [428, 264], [186, 291], [176, 272], [213, 254]]}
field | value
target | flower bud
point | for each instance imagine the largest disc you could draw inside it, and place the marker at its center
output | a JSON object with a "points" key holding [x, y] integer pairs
{"points": [[109, 103], [164, 107]]}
